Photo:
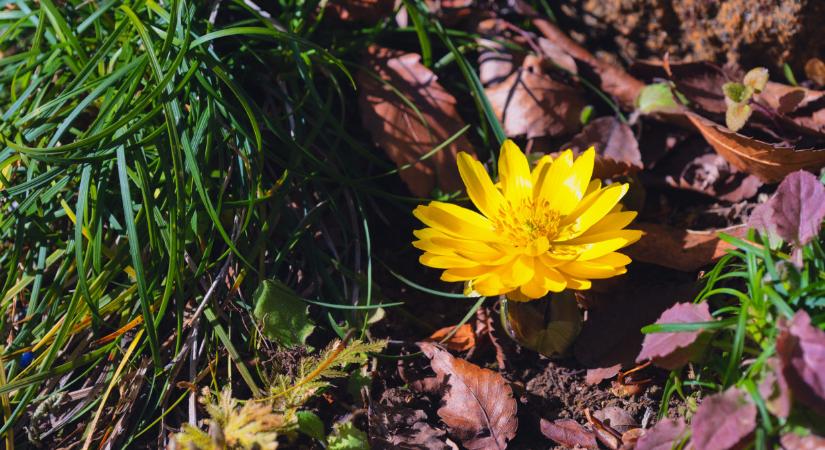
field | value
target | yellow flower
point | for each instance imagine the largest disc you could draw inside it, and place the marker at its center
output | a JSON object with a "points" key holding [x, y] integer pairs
{"points": [[537, 232]]}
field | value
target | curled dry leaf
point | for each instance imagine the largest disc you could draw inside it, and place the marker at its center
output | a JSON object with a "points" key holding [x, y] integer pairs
{"points": [[478, 407], [464, 338], [795, 212], [485, 332], [723, 420], [569, 433], [616, 147], [630, 437], [405, 135], [681, 249], [699, 82], [531, 103], [663, 435], [770, 162], [617, 418], [596, 376], [607, 435], [801, 349], [674, 350]]}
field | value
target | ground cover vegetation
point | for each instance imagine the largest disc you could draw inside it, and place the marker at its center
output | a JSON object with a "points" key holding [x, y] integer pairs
{"points": [[411, 224]]}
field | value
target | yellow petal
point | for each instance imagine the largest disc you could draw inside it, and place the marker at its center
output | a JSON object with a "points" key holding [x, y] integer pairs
{"points": [[582, 172], [601, 244], [456, 221], [428, 246], [578, 284], [479, 186], [445, 261], [464, 273], [534, 288], [553, 189], [514, 173], [540, 171], [590, 270], [552, 279], [611, 222], [518, 272], [596, 208], [490, 285], [614, 259]]}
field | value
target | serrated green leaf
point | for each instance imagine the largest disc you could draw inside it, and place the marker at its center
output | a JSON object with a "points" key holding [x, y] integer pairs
{"points": [[311, 425], [346, 437], [656, 97], [283, 315]]}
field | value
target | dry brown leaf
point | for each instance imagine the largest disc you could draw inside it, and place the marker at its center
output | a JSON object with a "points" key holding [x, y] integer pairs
{"points": [[680, 249], [463, 339], [531, 103], [405, 135], [478, 407], [616, 147], [403, 428], [569, 433], [800, 108], [617, 418], [485, 331], [770, 163], [613, 80], [815, 71]]}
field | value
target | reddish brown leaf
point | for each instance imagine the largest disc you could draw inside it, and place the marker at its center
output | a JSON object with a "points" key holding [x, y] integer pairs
{"points": [[616, 146], [405, 135], [770, 162], [680, 249], [774, 389], [663, 435], [795, 212], [699, 82], [723, 420], [815, 71], [673, 350], [605, 434], [485, 331], [463, 340], [531, 103], [792, 441], [802, 109], [569, 433], [596, 376], [478, 407], [801, 348]]}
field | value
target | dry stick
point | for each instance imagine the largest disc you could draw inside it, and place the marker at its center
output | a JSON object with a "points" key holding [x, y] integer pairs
{"points": [[614, 80]]}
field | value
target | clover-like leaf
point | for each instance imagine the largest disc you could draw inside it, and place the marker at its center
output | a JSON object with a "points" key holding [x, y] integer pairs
{"points": [[756, 79], [672, 350], [282, 314], [723, 420]]}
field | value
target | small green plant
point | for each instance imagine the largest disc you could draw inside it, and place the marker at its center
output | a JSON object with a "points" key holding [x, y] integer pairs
{"points": [[738, 97], [756, 351], [259, 422]]}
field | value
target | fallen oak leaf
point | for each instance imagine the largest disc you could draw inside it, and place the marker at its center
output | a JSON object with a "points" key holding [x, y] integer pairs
{"points": [[406, 132], [723, 420], [680, 249], [569, 433], [479, 407], [672, 350], [663, 436], [464, 338], [531, 103], [769, 162], [801, 350]]}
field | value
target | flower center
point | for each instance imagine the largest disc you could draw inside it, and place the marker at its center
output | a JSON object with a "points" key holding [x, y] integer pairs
{"points": [[523, 223]]}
